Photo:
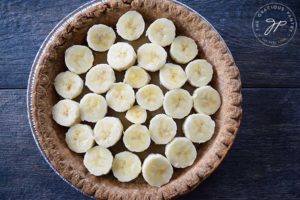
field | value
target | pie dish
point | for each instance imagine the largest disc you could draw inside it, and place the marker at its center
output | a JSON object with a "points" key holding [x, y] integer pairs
{"points": [[50, 61]]}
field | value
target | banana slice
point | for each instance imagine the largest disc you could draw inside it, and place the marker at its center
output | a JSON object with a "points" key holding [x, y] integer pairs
{"points": [[151, 57], [172, 76], [137, 138], [198, 128], [79, 59], [100, 78], [157, 170], [98, 160], [126, 166], [206, 100], [150, 97], [199, 72], [68, 85], [131, 25], [161, 32], [108, 131], [120, 97], [93, 107], [183, 49], [121, 56], [66, 112], [137, 77], [100, 37], [178, 103], [79, 138], [181, 152], [136, 114], [162, 129]]}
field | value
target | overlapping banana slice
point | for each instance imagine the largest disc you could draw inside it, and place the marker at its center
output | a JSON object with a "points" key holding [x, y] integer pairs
{"points": [[206, 100], [183, 49], [181, 152], [150, 97], [199, 72], [79, 138], [100, 78], [157, 170], [136, 114], [121, 56], [108, 131], [66, 112], [120, 97], [100, 37], [79, 59], [126, 166], [151, 57], [162, 32], [172, 76], [198, 128], [137, 138], [98, 160], [68, 85], [178, 103], [131, 25], [162, 129], [93, 107], [136, 77]]}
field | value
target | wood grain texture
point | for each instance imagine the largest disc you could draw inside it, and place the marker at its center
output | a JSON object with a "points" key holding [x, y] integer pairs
{"points": [[263, 163], [25, 24]]}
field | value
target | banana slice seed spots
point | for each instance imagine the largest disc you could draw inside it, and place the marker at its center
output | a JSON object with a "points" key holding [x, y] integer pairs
{"points": [[67, 111], [199, 124], [206, 100], [165, 130]]}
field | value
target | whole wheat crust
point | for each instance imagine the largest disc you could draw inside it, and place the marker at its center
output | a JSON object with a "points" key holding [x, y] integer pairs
{"points": [[50, 135]]}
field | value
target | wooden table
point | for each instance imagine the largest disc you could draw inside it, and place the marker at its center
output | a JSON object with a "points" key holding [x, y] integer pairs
{"points": [[264, 162]]}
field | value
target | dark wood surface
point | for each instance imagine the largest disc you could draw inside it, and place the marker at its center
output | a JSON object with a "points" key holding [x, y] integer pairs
{"points": [[264, 162]]}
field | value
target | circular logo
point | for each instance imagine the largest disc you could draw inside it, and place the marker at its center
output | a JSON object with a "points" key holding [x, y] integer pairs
{"points": [[274, 24]]}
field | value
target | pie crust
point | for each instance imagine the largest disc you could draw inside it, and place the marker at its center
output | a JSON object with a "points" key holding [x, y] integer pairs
{"points": [[50, 136]]}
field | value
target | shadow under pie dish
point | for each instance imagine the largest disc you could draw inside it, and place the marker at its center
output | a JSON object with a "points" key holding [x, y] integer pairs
{"points": [[50, 137]]}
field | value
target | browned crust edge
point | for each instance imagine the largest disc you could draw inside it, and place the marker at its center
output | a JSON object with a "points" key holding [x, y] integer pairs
{"points": [[230, 112]]}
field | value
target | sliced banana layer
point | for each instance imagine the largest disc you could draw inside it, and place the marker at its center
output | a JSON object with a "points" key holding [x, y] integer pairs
{"points": [[100, 78], [137, 138], [79, 138], [68, 85], [183, 49], [66, 112], [206, 100], [131, 25], [98, 160], [93, 107], [178, 103], [137, 77], [136, 114], [172, 76], [199, 72], [181, 152], [157, 170], [198, 128], [162, 129], [108, 131], [150, 97], [121, 56], [162, 32], [79, 59], [100, 37], [126, 166], [151, 57], [120, 97]]}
